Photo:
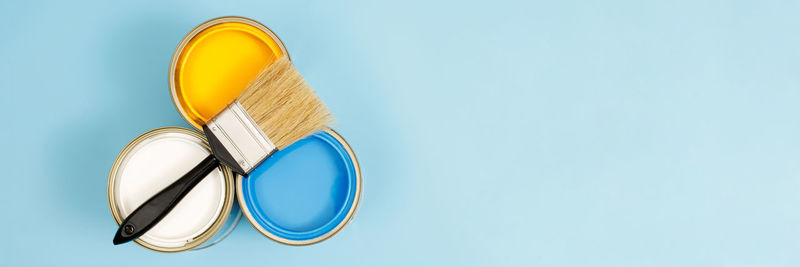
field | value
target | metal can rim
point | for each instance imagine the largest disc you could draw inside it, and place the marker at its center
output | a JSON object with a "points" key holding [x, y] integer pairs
{"points": [[196, 30], [347, 219], [203, 237]]}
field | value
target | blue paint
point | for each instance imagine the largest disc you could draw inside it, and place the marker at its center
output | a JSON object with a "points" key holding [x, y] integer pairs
{"points": [[303, 191]]}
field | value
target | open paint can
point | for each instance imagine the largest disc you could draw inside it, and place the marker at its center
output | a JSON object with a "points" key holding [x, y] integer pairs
{"points": [[300, 195], [154, 160], [304, 193], [214, 63]]}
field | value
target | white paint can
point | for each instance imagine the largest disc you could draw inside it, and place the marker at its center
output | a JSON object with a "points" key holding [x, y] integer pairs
{"points": [[156, 159]]}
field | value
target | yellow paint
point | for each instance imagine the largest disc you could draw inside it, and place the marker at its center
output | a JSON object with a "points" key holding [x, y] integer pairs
{"points": [[216, 65]]}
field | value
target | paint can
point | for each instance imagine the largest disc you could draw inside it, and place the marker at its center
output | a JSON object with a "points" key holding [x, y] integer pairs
{"points": [[154, 160], [214, 63], [305, 193]]}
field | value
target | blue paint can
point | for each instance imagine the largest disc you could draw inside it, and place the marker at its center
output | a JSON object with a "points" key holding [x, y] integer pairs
{"points": [[304, 193]]}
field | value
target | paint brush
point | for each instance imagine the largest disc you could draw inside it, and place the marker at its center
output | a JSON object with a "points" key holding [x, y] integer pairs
{"points": [[276, 109]]}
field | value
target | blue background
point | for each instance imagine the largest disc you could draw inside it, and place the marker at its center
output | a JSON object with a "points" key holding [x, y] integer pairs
{"points": [[493, 133]]}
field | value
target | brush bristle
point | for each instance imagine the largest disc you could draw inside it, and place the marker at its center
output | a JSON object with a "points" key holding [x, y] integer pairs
{"points": [[283, 105]]}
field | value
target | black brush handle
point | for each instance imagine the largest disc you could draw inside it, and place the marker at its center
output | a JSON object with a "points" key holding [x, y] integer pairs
{"points": [[154, 209]]}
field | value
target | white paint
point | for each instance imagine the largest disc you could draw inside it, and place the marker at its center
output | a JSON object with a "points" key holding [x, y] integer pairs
{"points": [[154, 164]]}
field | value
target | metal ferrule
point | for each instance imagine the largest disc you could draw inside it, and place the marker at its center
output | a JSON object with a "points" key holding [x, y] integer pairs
{"points": [[236, 140]]}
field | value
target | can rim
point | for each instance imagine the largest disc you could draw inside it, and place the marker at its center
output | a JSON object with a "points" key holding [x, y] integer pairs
{"points": [[189, 36], [347, 219], [208, 233]]}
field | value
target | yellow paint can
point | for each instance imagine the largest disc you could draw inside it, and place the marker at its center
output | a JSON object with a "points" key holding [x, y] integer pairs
{"points": [[215, 62]]}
